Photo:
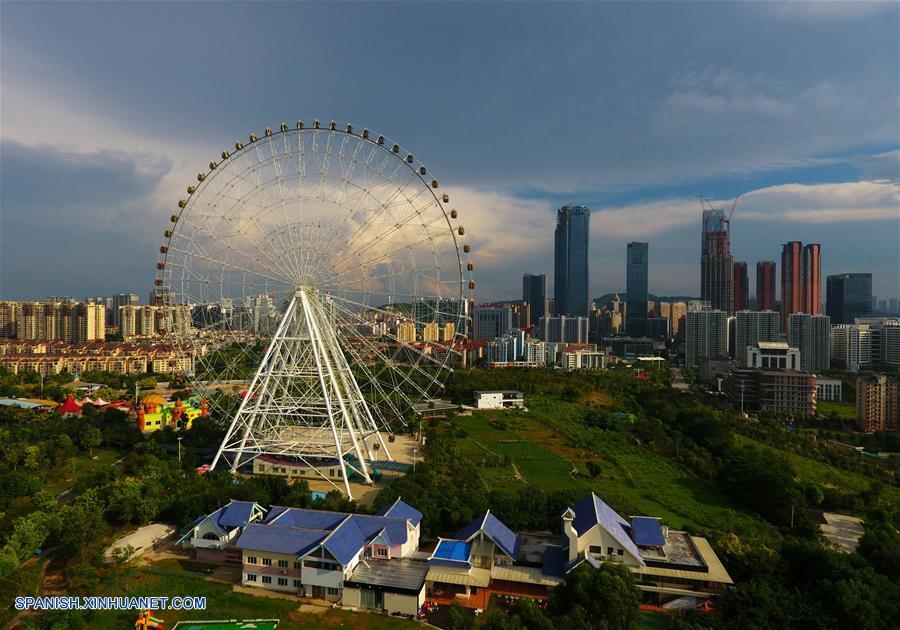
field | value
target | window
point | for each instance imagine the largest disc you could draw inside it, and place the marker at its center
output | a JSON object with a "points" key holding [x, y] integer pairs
{"points": [[251, 559], [381, 552], [282, 564], [251, 577], [620, 552], [596, 549], [296, 583], [332, 591], [267, 579], [267, 562], [282, 581], [609, 552], [298, 564]]}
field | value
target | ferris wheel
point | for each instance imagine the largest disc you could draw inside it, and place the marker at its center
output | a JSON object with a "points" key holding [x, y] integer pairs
{"points": [[320, 269]]}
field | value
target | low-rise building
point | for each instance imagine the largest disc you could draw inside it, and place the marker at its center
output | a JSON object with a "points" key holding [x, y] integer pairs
{"points": [[773, 390], [212, 537], [772, 354], [505, 399], [828, 389]]}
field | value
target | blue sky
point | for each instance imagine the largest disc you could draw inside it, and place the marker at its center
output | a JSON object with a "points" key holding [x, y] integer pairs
{"points": [[109, 109]]}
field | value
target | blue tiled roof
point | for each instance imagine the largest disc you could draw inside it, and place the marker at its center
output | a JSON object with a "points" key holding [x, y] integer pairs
{"points": [[591, 511], [235, 514], [371, 525], [307, 519], [399, 509], [647, 531], [494, 529], [345, 542], [554, 559], [287, 540]]}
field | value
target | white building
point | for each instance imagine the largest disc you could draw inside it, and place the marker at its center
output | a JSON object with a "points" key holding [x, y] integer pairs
{"points": [[851, 347], [828, 389], [773, 354], [505, 399]]}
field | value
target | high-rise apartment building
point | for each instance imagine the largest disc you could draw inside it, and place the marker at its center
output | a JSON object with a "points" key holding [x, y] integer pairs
{"points": [[570, 273], [406, 331], [741, 287], [851, 347], [751, 327], [120, 300], [636, 291], [877, 403], [8, 316], [765, 285], [812, 335], [716, 261], [72, 322], [848, 296], [534, 292], [706, 334], [564, 329], [492, 322]]}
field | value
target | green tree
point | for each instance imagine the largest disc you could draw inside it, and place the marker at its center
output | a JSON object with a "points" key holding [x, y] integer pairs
{"points": [[606, 597], [458, 618], [89, 438]]}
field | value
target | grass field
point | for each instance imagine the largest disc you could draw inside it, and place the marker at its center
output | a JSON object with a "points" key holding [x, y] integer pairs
{"points": [[843, 409], [549, 448], [821, 473], [170, 578]]}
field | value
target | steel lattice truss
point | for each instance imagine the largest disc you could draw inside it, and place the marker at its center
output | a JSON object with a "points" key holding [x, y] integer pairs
{"points": [[305, 257]]}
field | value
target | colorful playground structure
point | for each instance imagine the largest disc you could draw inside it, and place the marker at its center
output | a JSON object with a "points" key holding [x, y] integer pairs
{"points": [[155, 412], [146, 621]]}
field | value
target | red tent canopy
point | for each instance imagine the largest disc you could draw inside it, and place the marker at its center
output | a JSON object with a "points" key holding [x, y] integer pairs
{"points": [[70, 406]]}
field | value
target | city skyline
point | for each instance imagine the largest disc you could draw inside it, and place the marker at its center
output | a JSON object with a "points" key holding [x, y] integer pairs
{"points": [[810, 141]]}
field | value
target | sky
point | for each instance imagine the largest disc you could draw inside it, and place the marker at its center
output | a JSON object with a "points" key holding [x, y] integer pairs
{"points": [[108, 110]]}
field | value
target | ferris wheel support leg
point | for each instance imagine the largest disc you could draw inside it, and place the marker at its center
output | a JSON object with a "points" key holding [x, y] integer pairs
{"points": [[256, 377], [314, 344], [315, 315]]}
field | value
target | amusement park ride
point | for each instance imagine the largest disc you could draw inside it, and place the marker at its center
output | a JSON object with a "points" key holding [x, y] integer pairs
{"points": [[347, 234]]}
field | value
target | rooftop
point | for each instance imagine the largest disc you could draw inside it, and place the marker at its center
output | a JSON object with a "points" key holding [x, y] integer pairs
{"points": [[456, 550], [399, 573]]}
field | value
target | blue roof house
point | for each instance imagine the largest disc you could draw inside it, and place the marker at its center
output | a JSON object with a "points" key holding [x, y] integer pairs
{"points": [[593, 531], [213, 536], [493, 543]]}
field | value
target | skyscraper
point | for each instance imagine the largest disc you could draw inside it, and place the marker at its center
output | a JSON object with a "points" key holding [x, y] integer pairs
{"points": [[791, 284], [570, 274], [765, 285], [492, 322], [848, 296], [716, 261], [801, 280], [534, 291], [636, 280], [741, 287], [812, 335], [812, 279]]}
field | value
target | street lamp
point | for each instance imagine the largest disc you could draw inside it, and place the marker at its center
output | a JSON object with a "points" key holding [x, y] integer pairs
{"points": [[179, 449], [742, 399], [415, 450]]}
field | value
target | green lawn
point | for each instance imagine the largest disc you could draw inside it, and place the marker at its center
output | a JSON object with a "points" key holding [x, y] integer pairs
{"points": [[80, 466], [549, 442], [842, 409], [170, 578]]}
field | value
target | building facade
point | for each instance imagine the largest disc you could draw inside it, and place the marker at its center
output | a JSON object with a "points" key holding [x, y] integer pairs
{"points": [[772, 390], [534, 292], [812, 335], [492, 322], [848, 296], [741, 287], [564, 329], [765, 285], [570, 273], [706, 335], [637, 288], [851, 347], [877, 403], [716, 261], [751, 327]]}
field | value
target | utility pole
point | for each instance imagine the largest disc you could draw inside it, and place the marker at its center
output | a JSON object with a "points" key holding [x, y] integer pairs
{"points": [[742, 400], [179, 449]]}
